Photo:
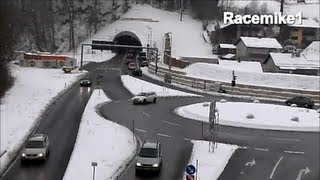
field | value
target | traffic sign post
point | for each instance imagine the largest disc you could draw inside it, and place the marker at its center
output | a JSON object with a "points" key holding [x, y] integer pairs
{"points": [[190, 177], [191, 169]]}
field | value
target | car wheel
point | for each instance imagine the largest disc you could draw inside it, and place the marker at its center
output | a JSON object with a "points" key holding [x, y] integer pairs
{"points": [[154, 100], [289, 103], [144, 101]]}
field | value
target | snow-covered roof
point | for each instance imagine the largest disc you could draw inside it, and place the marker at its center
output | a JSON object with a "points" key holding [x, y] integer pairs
{"points": [[256, 42], [308, 23], [227, 46], [286, 61], [312, 52]]}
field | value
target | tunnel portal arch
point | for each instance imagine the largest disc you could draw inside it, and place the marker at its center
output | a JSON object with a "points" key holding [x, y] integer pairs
{"points": [[126, 38]]}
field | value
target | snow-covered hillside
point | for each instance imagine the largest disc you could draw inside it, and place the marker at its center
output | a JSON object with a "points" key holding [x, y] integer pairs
{"points": [[187, 37]]}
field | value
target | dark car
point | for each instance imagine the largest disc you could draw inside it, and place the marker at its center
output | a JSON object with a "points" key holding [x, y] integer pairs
{"points": [[144, 63], [128, 60], [142, 54], [85, 82], [136, 72], [300, 101]]}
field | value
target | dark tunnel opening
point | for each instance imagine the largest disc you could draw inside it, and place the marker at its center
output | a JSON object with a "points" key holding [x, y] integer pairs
{"points": [[126, 38]]}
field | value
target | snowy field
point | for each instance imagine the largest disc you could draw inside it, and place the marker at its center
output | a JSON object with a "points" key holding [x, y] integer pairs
{"points": [[309, 11], [159, 22], [136, 86], [263, 116], [25, 101], [210, 164], [247, 66], [110, 145], [219, 73]]}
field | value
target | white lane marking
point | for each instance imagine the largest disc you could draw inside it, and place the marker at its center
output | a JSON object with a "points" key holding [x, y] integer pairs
{"points": [[187, 139], [164, 135], [146, 114], [305, 171], [275, 167], [141, 130], [243, 147], [172, 123], [294, 152], [261, 149], [283, 139], [251, 163]]}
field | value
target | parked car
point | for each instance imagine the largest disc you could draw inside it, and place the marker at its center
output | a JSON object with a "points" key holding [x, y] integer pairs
{"points": [[131, 66], [142, 54], [145, 97], [85, 82], [144, 63], [128, 60], [149, 157], [301, 101], [136, 72], [37, 148]]}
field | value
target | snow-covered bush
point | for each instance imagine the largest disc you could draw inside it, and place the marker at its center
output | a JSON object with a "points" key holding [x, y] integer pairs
{"points": [[223, 101]]}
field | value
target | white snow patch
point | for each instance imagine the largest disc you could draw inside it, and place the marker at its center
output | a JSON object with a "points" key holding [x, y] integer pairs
{"points": [[24, 103], [107, 143], [245, 66], [265, 116], [136, 86], [210, 164], [287, 81]]}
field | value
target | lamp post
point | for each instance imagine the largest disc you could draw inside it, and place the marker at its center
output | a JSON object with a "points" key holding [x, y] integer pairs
{"points": [[94, 165]]}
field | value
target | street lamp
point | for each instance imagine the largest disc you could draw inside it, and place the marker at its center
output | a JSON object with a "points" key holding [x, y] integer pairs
{"points": [[94, 164]]}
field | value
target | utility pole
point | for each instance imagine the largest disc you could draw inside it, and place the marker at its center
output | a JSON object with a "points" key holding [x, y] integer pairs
{"points": [[181, 6]]}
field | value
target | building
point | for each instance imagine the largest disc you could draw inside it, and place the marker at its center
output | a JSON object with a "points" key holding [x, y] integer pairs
{"points": [[230, 33], [312, 52], [224, 49], [301, 1], [303, 34], [293, 63], [46, 60], [256, 49]]}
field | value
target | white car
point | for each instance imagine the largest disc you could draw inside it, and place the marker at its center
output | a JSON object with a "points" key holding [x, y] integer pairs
{"points": [[145, 97]]}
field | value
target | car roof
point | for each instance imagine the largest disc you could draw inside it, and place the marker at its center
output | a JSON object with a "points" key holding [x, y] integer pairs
{"points": [[150, 144], [37, 137]]}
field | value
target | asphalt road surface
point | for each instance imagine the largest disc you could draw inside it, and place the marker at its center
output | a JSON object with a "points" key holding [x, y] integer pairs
{"points": [[264, 154]]}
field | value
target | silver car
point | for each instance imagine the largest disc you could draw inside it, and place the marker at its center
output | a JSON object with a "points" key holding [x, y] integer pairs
{"points": [[145, 97], [37, 148], [149, 157]]}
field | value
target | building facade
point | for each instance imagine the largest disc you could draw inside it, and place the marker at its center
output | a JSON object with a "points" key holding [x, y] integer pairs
{"points": [[256, 49]]}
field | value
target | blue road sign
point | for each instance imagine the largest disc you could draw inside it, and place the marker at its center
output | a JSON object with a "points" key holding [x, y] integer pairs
{"points": [[191, 169]]}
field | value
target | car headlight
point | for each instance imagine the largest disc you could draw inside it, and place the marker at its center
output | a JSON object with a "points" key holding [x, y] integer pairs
{"points": [[40, 154], [23, 155], [138, 164], [155, 165]]}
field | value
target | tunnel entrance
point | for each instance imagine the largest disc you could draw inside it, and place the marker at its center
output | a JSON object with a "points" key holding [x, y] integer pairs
{"points": [[126, 38]]}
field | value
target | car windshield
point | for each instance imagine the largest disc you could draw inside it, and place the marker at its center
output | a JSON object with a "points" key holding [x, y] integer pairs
{"points": [[35, 144], [148, 153], [142, 94]]}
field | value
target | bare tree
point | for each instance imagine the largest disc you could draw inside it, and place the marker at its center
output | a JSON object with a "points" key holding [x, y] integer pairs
{"points": [[69, 6], [8, 40]]}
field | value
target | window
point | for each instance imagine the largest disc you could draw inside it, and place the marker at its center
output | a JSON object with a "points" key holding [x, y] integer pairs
{"points": [[148, 153], [35, 144]]}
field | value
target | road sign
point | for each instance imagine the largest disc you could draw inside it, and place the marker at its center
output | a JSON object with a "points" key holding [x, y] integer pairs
{"points": [[189, 177], [191, 169]]}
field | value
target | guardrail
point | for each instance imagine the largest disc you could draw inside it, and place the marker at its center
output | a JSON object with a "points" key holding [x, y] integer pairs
{"points": [[179, 77]]}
